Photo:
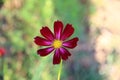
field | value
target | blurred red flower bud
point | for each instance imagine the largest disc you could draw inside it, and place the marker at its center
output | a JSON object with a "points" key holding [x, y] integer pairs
{"points": [[2, 51]]}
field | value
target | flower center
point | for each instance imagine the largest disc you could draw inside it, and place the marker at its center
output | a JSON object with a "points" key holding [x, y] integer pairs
{"points": [[57, 43]]}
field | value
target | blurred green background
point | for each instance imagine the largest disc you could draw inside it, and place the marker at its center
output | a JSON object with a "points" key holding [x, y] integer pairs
{"points": [[20, 22]]}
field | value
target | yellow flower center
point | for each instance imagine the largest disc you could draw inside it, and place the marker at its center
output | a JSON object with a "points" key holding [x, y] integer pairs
{"points": [[57, 43]]}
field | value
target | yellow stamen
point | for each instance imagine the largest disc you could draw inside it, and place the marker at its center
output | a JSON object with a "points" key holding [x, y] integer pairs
{"points": [[57, 43]]}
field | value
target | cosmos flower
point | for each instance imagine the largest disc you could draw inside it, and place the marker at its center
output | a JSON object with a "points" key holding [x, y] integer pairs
{"points": [[57, 42], [2, 51]]}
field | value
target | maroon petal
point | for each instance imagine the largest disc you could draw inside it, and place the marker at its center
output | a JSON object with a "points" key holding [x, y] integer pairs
{"points": [[45, 31], [71, 43], [56, 57], [68, 31], [64, 53], [41, 41], [58, 26], [45, 51]]}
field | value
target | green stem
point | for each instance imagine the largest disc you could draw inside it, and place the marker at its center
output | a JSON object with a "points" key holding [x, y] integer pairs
{"points": [[60, 70]]}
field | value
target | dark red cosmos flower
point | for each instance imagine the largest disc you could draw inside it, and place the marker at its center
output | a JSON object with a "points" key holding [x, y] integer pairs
{"points": [[57, 41], [2, 51]]}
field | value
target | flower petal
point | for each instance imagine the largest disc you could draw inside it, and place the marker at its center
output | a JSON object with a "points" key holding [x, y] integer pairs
{"points": [[45, 31], [58, 27], [45, 51], [41, 41], [71, 43], [56, 57], [68, 31], [64, 53]]}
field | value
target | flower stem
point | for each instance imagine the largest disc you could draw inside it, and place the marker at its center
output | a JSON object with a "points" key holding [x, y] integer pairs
{"points": [[60, 70]]}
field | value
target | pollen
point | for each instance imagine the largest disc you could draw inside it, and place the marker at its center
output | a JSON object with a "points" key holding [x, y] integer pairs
{"points": [[57, 43]]}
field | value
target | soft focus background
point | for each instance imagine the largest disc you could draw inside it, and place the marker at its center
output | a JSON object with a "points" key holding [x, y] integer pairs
{"points": [[96, 23]]}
